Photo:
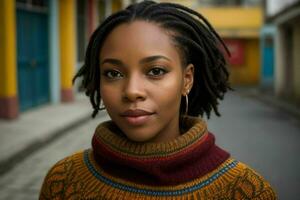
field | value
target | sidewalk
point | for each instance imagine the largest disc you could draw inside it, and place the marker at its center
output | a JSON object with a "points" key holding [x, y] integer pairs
{"points": [[270, 99], [37, 127]]}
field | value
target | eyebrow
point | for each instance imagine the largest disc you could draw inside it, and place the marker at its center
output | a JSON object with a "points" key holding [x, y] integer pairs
{"points": [[143, 61], [112, 61], [153, 58]]}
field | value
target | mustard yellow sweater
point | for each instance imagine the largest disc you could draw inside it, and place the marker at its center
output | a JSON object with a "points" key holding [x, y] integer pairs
{"points": [[189, 167]]}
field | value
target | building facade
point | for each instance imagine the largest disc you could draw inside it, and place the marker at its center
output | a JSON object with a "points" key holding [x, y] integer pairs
{"points": [[239, 26], [238, 23], [42, 44], [284, 17]]}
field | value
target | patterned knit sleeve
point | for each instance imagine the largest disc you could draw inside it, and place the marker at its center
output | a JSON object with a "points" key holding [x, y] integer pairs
{"points": [[251, 185], [55, 185]]}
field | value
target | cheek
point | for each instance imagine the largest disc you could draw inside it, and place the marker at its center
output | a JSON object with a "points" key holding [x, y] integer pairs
{"points": [[109, 95], [169, 93]]}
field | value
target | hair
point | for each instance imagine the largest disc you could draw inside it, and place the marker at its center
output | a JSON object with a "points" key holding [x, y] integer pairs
{"points": [[196, 39]]}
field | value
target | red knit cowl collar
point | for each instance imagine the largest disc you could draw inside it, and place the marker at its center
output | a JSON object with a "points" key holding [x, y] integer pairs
{"points": [[189, 156]]}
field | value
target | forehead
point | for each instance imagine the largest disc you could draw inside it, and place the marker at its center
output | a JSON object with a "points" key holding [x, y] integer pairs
{"points": [[138, 38]]}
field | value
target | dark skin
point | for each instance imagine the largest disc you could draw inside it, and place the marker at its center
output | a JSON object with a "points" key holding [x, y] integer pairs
{"points": [[143, 81]]}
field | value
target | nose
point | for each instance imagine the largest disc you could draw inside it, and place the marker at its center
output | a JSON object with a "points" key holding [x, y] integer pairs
{"points": [[134, 89]]}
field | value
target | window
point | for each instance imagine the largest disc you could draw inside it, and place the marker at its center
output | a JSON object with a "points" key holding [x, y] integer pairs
{"points": [[33, 5]]}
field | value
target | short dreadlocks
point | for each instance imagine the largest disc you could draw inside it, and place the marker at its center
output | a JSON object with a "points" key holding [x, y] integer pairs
{"points": [[198, 42]]}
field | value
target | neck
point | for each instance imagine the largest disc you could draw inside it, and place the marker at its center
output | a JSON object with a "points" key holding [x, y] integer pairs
{"points": [[166, 135]]}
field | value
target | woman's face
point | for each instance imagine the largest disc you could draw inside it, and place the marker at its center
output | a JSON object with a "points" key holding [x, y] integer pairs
{"points": [[142, 81]]}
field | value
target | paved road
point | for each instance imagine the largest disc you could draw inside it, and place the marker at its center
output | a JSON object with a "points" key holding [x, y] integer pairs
{"points": [[258, 134], [265, 138]]}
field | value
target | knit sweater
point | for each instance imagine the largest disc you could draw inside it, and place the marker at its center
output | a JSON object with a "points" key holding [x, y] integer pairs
{"points": [[189, 167]]}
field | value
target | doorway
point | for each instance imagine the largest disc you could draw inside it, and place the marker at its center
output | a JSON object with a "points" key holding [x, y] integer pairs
{"points": [[32, 53]]}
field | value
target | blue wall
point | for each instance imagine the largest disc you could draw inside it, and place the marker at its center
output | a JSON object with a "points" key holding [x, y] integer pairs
{"points": [[267, 37]]}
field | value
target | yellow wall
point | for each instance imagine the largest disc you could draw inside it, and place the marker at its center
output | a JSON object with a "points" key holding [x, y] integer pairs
{"points": [[249, 72], [234, 17], [235, 21], [8, 74], [187, 3], [67, 42], [116, 5], [239, 23]]}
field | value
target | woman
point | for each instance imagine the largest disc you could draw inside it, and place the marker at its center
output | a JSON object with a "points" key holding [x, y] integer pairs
{"points": [[156, 67]]}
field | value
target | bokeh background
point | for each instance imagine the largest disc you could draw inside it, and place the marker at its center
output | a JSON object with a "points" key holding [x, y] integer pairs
{"points": [[43, 117]]}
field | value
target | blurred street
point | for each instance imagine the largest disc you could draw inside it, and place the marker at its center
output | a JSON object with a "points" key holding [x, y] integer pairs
{"points": [[44, 117], [264, 137], [256, 133], [25, 180]]}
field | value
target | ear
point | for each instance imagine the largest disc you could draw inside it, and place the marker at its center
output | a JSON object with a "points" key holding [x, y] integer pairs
{"points": [[188, 79]]}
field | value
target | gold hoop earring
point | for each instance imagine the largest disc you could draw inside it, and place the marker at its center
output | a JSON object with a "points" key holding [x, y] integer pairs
{"points": [[186, 104], [102, 106]]}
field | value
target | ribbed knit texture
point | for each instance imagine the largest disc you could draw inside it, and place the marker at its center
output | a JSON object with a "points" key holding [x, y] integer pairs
{"points": [[188, 167]]}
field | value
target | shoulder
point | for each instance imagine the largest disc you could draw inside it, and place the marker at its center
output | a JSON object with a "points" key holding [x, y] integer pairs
{"points": [[62, 174], [248, 184]]}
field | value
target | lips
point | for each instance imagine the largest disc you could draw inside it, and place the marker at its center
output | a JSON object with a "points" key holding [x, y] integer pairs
{"points": [[135, 113], [136, 117]]}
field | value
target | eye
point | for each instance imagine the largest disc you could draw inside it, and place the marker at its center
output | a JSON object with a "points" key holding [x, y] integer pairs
{"points": [[157, 71], [113, 74]]}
